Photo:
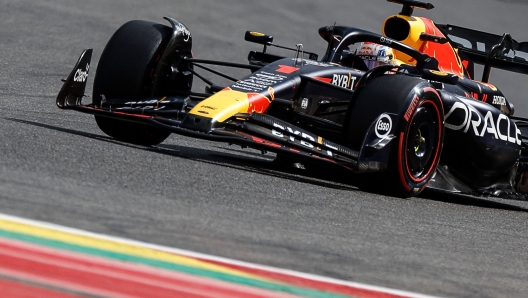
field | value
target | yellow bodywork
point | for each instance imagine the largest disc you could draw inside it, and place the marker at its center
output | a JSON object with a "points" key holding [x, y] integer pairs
{"points": [[222, 105], [413, 39]]}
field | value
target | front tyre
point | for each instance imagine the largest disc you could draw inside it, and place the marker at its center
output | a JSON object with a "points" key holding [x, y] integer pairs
{"points": [[125, 72], [415, 158], [415, 152]]}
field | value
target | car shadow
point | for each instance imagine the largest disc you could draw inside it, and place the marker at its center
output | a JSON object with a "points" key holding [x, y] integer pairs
{"points": [[468, 200], [255, 164], [231, 160], [251, 161]]}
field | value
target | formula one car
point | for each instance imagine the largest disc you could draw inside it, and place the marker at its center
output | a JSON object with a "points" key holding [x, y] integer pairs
{"points": [[392, 109]]}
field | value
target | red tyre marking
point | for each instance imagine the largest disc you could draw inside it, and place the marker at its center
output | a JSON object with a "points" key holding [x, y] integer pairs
{"points": [[439, 123], [430, 89], [400, 162]]}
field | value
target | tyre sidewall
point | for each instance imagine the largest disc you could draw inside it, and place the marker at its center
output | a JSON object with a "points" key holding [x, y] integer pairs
{"points": [[424, 99], [129, 60], [390, 94], [125, 72]]}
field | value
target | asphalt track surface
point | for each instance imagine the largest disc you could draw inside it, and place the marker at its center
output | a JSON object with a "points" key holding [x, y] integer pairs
{"points": [[56, 166]]}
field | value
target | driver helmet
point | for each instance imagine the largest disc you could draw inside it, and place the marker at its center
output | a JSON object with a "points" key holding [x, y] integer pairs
{"points": [[374, 54]]}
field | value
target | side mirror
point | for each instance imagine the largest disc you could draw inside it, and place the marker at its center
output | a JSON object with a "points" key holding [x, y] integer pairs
{"points": [[258, 37], [440, 76]]}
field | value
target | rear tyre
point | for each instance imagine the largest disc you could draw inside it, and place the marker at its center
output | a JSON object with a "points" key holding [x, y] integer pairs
{"points": [[125, 72], [419, 130]]}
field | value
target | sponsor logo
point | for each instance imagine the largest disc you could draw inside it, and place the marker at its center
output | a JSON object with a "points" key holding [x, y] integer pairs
{"points": [[369, 57], [81, 75], [498, 127], [208, 107], [499, 100], [300, 137], [146, 102], [383, 126], [155, 108], [385, 40], [411, 108], [311, 62], [184, 31], [304, 103], [365, 51], [271, 92], [259, 82], [344, 81]]}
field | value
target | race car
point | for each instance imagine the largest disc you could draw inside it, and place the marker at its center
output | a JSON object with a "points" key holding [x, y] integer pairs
{"points": [[399, 111]]}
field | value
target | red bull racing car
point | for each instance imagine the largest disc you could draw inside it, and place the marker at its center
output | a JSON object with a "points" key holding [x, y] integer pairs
{"points": [[392, 109]]}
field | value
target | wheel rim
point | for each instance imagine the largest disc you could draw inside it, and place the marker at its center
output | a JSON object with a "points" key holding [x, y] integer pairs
{"points": [[422, 142]]}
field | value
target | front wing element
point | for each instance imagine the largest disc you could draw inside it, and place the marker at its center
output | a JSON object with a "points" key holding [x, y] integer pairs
{"points": [[259, 131]]}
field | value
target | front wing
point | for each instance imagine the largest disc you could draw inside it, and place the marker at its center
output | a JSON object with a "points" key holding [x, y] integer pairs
{"points": [[259, 131]]}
